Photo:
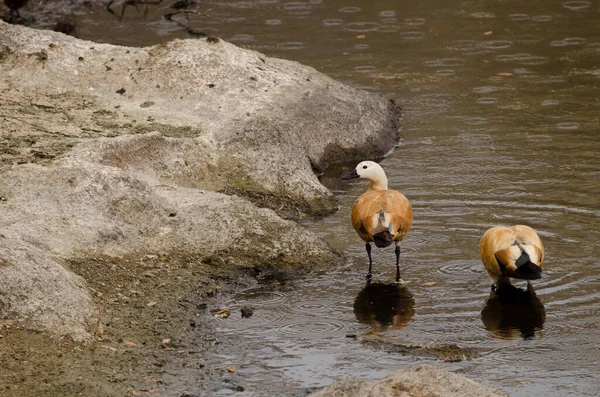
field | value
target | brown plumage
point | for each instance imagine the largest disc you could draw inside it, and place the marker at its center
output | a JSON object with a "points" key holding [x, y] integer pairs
{"points": [[380, 215], [511, 252]]}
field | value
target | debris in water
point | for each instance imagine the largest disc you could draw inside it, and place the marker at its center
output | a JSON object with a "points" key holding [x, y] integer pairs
{"points": [[247, 311], [221, 313]]}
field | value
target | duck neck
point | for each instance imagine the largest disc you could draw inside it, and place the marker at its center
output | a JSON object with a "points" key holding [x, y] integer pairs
{"points": [[379, 183]]}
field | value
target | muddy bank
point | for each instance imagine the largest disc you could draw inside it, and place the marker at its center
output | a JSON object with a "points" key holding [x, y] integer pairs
{"points": [[155, 336]]}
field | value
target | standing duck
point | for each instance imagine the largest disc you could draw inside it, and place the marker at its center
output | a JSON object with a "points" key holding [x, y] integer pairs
{"points": [[380, 215], [511, 252]]}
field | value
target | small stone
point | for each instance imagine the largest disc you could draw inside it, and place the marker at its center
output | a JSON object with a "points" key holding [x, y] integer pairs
{"points": [[247, 311]]}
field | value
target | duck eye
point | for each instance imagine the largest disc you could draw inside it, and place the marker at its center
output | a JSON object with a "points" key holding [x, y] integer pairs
{"points": [[364, 167]]}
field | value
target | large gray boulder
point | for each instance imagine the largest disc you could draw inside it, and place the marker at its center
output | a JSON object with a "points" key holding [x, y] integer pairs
{"points": [[421, 381], [126, 152], [261, 126]]}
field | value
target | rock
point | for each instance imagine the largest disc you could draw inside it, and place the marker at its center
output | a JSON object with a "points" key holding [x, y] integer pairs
{"points": [[77, 207], [130, 152], [240, 122], [247, 311], [38, 290], [448, 352], [421, 381]]}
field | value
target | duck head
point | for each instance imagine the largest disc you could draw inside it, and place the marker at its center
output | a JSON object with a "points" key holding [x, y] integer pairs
{"points": [[372, 171]]}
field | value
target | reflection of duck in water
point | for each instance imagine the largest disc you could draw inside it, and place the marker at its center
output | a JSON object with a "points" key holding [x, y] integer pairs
{"points": [[384, 305], [511, 252], [510, 309], [13, 7]]}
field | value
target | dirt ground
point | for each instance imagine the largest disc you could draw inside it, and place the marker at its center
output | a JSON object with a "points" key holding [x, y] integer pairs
{"points": [[156, 336]]}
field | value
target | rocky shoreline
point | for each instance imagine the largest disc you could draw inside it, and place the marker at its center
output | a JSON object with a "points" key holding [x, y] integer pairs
{"points": [[140, 185]]}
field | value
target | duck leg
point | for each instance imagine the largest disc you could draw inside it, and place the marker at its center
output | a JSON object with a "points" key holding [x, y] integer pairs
{"points": [[369, 276], [398, 264]]}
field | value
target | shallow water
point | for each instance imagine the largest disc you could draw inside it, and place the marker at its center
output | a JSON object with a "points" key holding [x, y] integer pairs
{"points": [[501, 126]]}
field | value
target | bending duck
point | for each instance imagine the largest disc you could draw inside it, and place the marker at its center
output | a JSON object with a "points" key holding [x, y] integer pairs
{"points": [[511, 252], [380, 215]]}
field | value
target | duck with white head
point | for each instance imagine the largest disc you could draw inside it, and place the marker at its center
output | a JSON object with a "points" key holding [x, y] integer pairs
{"points": [[380, 215]]}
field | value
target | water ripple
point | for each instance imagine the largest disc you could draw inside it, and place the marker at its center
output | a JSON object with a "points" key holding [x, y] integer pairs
{"points": [[242, 38], [445, 72], [568, 126], [445, 62], [487, 101], [292, 45], [577, 5], [297, 8], [412, 35], [362, 26], [414, 21], [332, 22], [488, 89], [300, 327], [569, 41], [350, 10], [387, 14], [518, 17], [525, 59]]}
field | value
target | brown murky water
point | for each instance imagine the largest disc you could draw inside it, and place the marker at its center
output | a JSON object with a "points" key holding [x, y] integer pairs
{"points": [[502, 126]]}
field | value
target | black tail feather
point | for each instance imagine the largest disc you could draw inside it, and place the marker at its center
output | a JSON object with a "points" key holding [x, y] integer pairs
{"points": [[523, 259], [383, 239], [527, 270]]}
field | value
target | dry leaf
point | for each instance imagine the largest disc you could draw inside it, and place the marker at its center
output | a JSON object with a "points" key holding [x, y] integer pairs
{"points": [[222, 313], [231, 368], [429, 283], [128, 343]]}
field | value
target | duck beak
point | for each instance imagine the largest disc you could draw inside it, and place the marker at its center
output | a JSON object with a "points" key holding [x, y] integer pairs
{"points": [[352, 175]]}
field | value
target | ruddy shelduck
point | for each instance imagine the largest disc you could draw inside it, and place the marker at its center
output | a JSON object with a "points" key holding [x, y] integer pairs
{"points": [[511, 252], [380, 215]]}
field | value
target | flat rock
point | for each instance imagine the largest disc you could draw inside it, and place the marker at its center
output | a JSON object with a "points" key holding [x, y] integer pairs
{"points": [[420, 381]]}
